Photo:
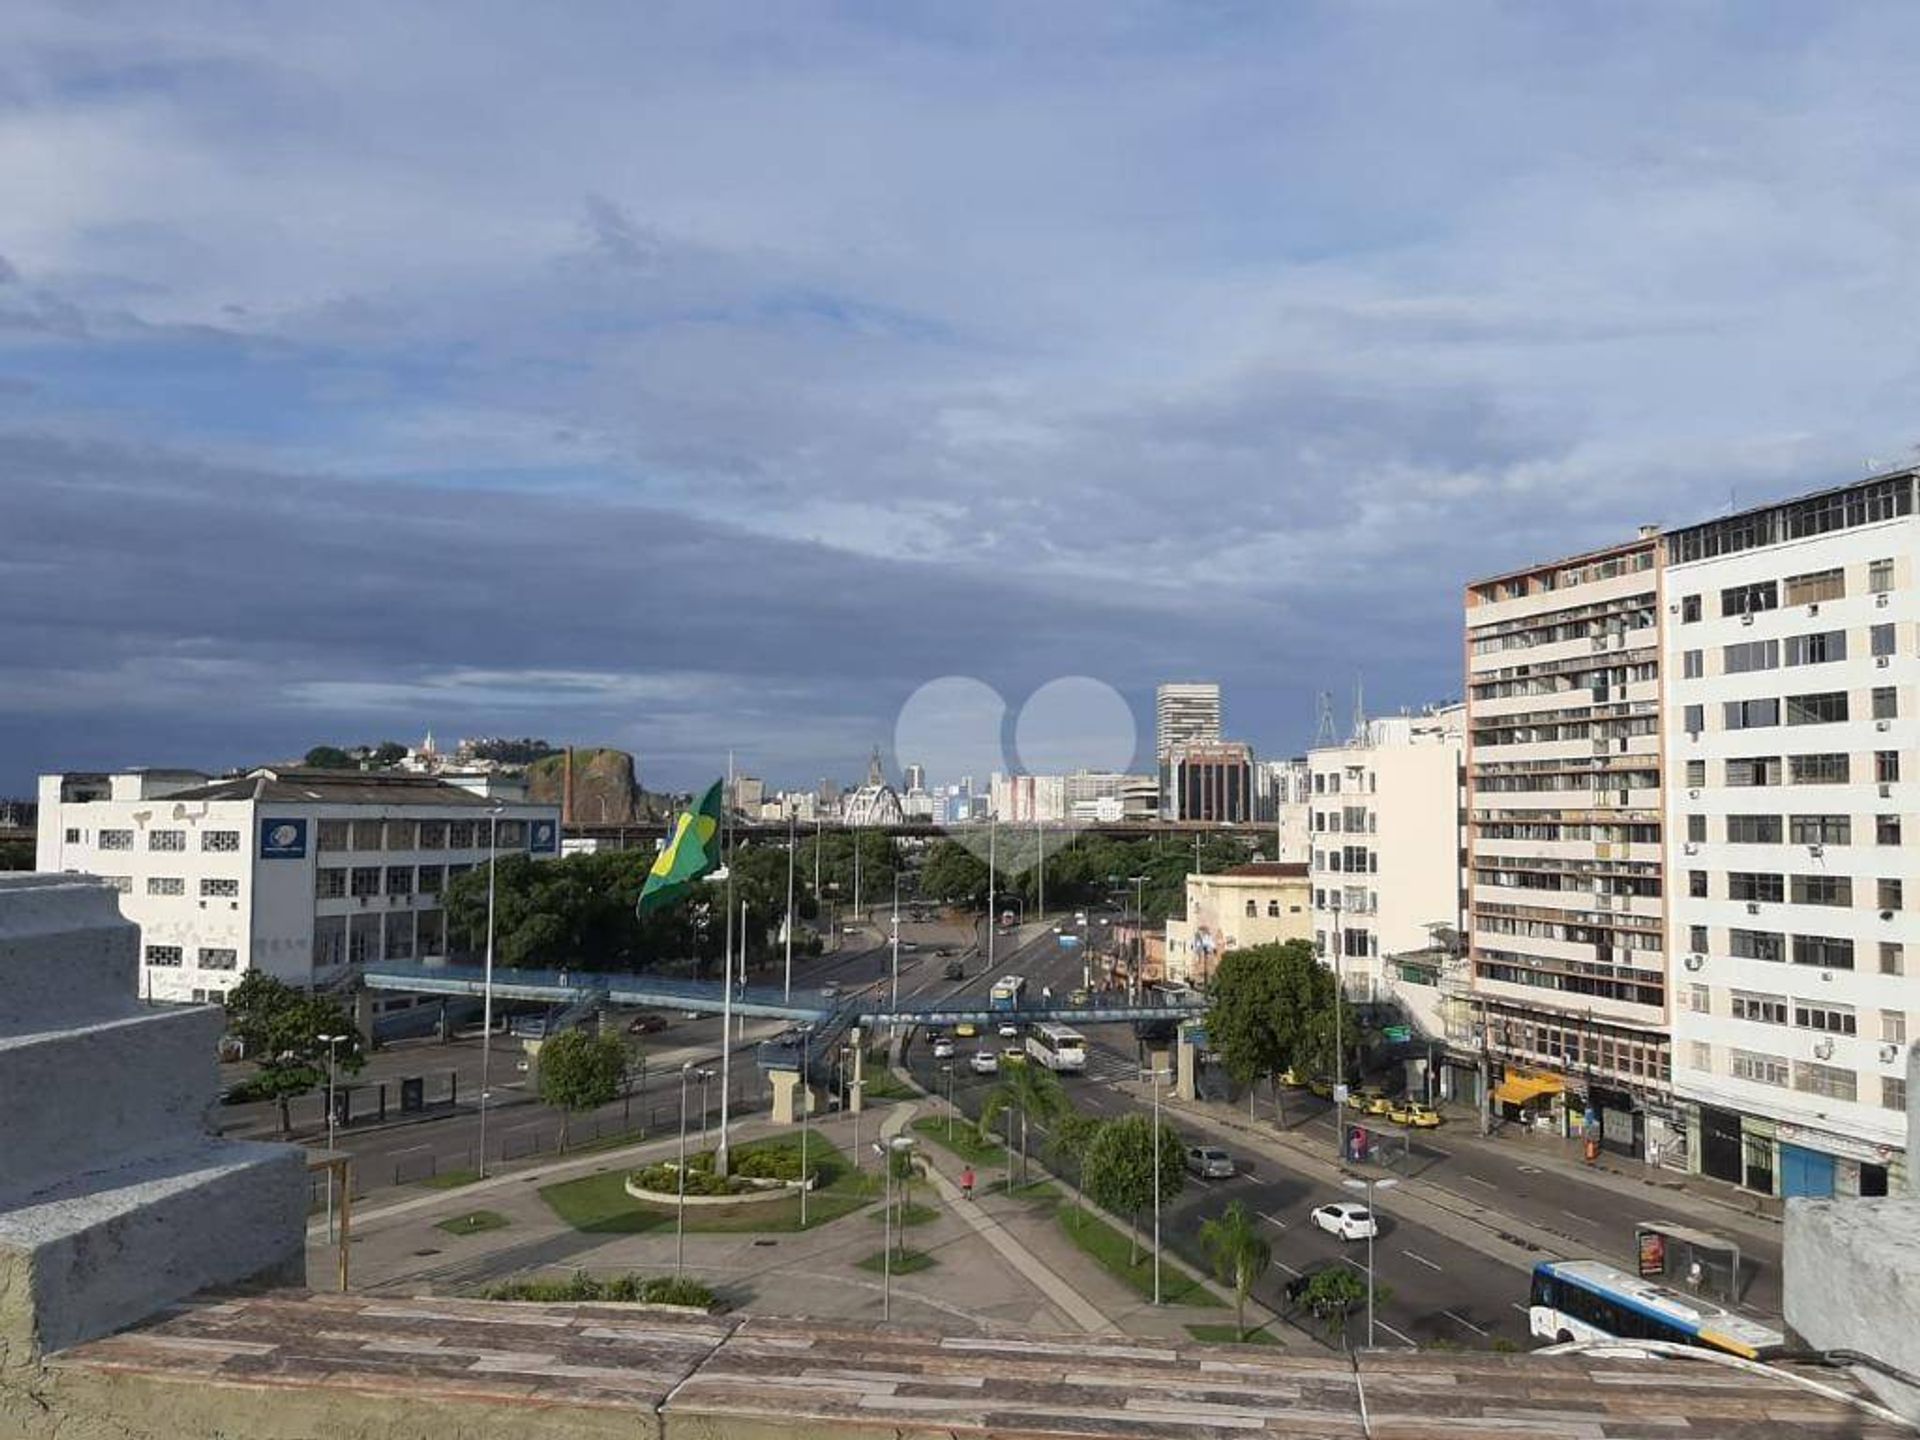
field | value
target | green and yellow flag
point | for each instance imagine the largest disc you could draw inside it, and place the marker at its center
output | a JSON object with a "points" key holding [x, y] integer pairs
{"points": [[693, 851]]}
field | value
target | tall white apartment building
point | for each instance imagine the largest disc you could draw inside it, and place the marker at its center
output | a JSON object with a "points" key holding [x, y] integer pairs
{"points": [[1282, 796], [1184, 713], [1386, 837], [1029, 798], [1565, 910], [299, 873], [1792, 632]]}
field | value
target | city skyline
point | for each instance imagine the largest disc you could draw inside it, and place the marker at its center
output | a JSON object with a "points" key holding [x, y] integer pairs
{"points": [[775, 366]]}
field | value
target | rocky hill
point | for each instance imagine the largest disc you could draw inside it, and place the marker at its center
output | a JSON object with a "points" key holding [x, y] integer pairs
{"points": [[606, 789]]}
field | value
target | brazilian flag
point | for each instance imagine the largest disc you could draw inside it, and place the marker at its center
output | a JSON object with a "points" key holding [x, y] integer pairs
{"points": [[693, 852]]}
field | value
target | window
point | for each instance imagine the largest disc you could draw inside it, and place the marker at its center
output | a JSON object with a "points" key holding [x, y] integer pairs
{"points": [[399, 879], [1886, 829], [116, 839], [1747, 885], [1828, 952], [1750, 714], [212, 888], [1761, 1009], [366, 880], [1753, 829], [1822, 648], [1751, 655], [73, 836], [432, 879], [1758, 770], [332, 835], [1820, 829], [1700, 1055], [1760, 1069], [1828, 769], [1893, 1093], [216, 957], [1886, 766], [1696, 774], [1689, 609], [1695, 719], [165, 955], [1697, 940], [1749, 599], [1825, 708], [220, 842], [1834, 1019], [330, 882], [1880, 576], [1697, 884], [1886, 703], [1893, 1027], [122, 883], [1822, 890], [1890, 893], [1693, 664], [1252, 909], [1699, 999], [366, 834], [1820, 585], [1273, 909], [460, 835], [166, 885], [1697, 829], [1893, 958], [1880, 639], [1827, 1080], [433, 834], [169, 840], [1766, 945], [400, 834]]}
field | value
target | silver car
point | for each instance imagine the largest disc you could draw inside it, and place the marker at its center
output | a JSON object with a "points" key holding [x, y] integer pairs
{"points": [[1210, 1162]]}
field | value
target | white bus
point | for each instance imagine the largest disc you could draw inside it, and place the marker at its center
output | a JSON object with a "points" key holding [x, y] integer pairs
{"points": [[1590, 1300], [1007, 992], [1058, 1048]]}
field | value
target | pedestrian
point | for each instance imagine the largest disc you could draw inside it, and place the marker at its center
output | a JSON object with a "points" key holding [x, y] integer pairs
{"points": [[966, 1182]]}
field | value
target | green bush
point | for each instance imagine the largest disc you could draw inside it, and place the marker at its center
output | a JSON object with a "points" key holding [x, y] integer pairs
{"points": [[665, 1180], [770, 1164], [626, 1289]]}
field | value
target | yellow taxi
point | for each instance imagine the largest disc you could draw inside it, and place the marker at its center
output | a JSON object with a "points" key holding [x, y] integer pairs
{"points": [[965, 1030], [1410, 1113], [1373, 1102], [1321, 1086], [1291, 1079]]}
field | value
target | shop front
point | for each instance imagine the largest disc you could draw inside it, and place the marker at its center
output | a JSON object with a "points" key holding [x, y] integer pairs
{"points": [[1819, 1165]]}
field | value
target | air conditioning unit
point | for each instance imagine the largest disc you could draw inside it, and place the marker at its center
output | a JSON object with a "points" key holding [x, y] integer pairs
{"points": [[1816, 850], [1753, 907], [1888, 1052], [1883, 724], [1886, 792], [1882, 661], [1746, 619], [1824, 1050], [1886, 914], [1882, 599], [1693, 794], [1690, 848], [1694, 962], [1814, 609]]}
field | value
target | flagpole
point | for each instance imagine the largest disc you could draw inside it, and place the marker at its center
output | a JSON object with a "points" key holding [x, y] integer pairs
{"points": [[787, 993], [726, 989]]}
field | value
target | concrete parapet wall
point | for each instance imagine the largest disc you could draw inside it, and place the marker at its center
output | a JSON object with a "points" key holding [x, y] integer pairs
{"points": [[1852, 1272]]}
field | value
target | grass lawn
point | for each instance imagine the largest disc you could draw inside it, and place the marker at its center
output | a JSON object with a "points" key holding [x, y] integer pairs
{"points": [[966, 1142], [449, 1180], [1039, 1192], [1227, 1335], [902, 1264], [474, 1222], [882, 1084], [600, 1205], [914, 1214], [1108, 1245]]}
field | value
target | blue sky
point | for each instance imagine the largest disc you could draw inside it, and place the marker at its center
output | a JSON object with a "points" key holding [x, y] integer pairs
{"points": [[695, 376]]}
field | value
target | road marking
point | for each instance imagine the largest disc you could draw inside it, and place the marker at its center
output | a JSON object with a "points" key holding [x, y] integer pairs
{"points": [[1521, 1308], [1272, 1219], [1404, 1339], [1354, 1263], [1421, 1258], [1478, 1181], [1576, 1215], [1286, 1267], [409, 1150], [1464, 1321]]}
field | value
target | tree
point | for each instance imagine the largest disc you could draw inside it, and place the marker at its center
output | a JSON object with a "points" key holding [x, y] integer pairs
{"points": [[329, 757], [1069, 1139], [16, 855], [1272, 1010], [903, 1165], [387, 754], [579, 1071], [281, 1029], [1119, 1170], [1239, 1254], [953, 874], [1031, 1091], [1335, 1293]]}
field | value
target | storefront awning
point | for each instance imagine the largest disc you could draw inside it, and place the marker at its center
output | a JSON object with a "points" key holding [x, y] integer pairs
{"points": [[1520, 1089]]}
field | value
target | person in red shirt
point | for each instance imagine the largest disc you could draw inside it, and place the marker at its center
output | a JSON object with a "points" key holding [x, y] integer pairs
{"points": [[966, 1182]]}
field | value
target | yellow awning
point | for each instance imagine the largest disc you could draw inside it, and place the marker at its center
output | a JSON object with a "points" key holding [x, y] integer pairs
{"points": [[1519, 1089]]}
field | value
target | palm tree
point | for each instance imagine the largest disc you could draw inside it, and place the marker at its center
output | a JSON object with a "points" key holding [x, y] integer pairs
{"points": [[1240, 1255], [1032, 1092]]}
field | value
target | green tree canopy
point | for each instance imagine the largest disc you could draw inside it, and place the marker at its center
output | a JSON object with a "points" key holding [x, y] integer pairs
{"points": [[953, 874], [1120, 1169], [329, 757], [1031, 1091], [388, 753], [1239, 1254], [281, 1029], [1272, 1010], [579, 1071]]}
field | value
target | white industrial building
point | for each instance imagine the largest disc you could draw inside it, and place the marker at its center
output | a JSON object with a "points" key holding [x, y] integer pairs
{"points": [[1791, 675], [299, 873], [1385, 863]]}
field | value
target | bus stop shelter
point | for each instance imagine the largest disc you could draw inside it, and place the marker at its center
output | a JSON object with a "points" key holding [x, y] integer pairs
{"points": [[1689, 1259]]}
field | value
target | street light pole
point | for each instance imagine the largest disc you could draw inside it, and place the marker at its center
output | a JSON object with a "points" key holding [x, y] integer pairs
{"points": [[1139, 938], [993, 920], [330, 1041], [787, 994], [894, 1028], [703, 1077], [1373, 1224], [806, 1109], [1157, 1074], [486, 986]]}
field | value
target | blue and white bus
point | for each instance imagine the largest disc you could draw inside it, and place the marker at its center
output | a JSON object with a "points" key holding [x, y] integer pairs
{"points": [[1058, 1048], [1007, 992], [1590, 1300]]}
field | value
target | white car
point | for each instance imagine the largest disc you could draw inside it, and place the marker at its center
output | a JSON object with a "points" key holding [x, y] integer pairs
{"points": [[943, 1049], [1347, 1220], [1009, 1030], [985, 1062]]}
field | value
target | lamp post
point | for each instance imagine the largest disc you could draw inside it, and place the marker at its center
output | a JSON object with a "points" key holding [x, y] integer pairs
{"points": [[1156, 1076], [787, 992], [330, 1041], [486, 986], [947, 1070], [993, 920], [1373, 1223], [680, 1172], [1339, 1054], [703, 1077], [1139, 937], [806, 1109], [899, 1145], [894, 1028]]}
